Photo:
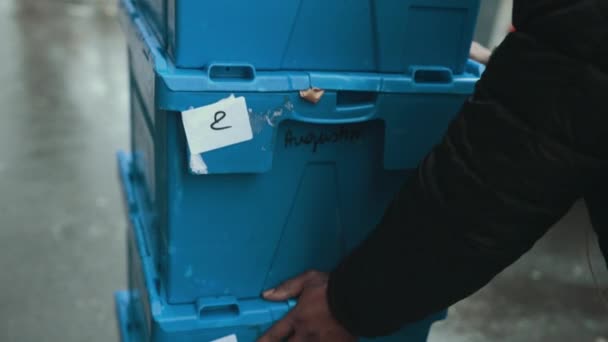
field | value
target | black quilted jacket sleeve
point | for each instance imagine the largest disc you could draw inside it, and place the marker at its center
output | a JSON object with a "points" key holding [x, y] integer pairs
{"points": [[532, 140]]}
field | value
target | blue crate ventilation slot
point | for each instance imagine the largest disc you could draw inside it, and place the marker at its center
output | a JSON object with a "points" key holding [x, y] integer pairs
{"points": [[387, 36]]}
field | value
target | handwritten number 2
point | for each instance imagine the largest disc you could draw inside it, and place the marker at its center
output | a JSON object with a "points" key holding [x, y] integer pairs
{"points": [[219, 116]]}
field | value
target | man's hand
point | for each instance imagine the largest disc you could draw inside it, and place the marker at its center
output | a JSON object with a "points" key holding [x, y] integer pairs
{"points": [[311, 320], [480, 53]]}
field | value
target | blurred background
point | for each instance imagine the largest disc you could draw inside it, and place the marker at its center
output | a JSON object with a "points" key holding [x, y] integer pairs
{"points": [[63, 91]]}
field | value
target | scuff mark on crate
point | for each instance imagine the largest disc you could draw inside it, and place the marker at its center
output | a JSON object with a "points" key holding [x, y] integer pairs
{"points": [[271, 118]]}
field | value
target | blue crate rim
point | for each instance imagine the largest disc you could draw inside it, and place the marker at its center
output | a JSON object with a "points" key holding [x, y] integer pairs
{"points": [[121, 306]]}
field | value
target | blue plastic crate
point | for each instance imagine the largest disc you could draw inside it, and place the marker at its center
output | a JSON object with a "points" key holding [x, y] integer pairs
{"points": [[144, 315], [287, 200], [347, 35]]}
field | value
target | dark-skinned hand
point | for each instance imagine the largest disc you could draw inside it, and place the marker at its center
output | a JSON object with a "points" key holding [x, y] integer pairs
{"points": [[311, 320]]}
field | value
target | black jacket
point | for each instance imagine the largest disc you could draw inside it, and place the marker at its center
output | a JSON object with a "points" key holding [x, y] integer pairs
{"points": [[531, 141]]}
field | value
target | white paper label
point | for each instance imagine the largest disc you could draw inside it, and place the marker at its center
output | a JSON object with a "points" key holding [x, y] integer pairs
{"points": [[231, 338], [217, 125]]}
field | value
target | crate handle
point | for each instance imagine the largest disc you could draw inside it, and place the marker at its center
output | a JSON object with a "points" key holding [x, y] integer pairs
{"points": [[432, 75], [220, 307], [231, 72]]}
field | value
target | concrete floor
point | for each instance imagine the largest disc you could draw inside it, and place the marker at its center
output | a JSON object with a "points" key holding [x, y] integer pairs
{"points": [[62, 249]]}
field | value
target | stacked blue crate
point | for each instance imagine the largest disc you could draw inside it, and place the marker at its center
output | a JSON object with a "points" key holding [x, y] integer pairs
{"points": [[303, 192], [145, 315], [338, 35]]}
